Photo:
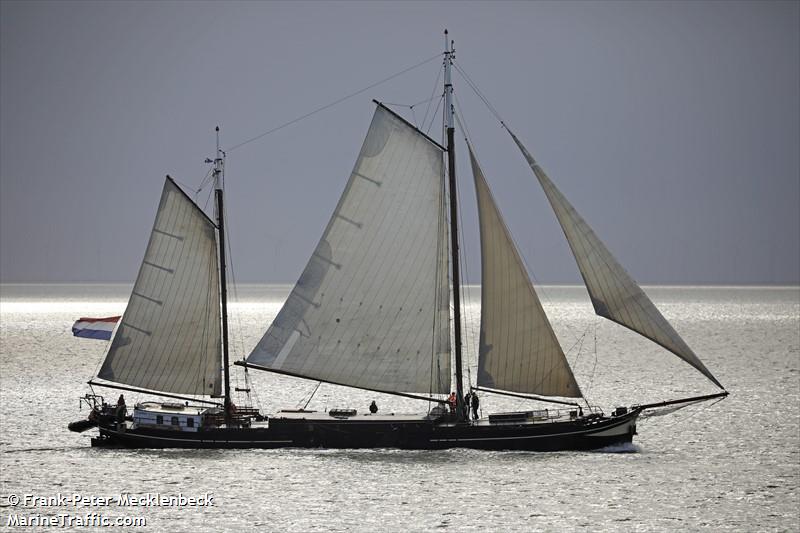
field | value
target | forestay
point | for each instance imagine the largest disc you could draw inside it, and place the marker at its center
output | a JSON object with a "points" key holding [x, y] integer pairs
{"points": [[615, 295], [368, 310], [518, 349], [169, 336]]}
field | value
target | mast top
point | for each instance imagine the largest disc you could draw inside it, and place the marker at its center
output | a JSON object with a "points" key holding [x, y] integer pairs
{"points": [[449, 55], [218, 164]]}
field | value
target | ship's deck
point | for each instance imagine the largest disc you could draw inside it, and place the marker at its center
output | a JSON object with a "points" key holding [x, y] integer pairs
{"points": [[442, 421], [365, 417]]}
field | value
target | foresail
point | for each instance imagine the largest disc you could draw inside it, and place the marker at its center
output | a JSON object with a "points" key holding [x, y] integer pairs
{"points": [[615, 295], [370, 309], [169, 337], [518, 349]]}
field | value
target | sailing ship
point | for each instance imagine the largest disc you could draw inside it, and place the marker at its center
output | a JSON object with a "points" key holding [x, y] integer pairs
{"points": [[371, 310]]}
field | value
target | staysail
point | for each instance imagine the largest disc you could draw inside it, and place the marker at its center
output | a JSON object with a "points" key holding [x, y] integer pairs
{"points": [[169, 336], [518, 349], [615, 295], [368, 309]]}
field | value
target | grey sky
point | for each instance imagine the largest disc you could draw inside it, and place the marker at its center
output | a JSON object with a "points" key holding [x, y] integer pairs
{"points": [[672, 127]]}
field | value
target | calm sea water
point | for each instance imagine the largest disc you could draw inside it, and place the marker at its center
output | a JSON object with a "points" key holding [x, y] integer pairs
{"points": [[731, 466]]}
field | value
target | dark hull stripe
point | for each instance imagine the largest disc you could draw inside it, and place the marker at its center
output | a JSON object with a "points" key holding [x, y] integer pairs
{"points": [[587, 433], [128, 434]]}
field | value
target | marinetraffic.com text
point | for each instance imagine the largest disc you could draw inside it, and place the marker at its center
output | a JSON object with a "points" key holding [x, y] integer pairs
{"points": [[61, 510]]}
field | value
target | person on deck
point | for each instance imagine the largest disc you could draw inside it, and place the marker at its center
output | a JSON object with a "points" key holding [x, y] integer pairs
{"points": [[122, 410], [475, 405], [467, 397], [373, 407], [452, 401]]}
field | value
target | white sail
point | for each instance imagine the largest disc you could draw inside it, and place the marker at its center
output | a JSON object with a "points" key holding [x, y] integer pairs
{"points": [[518, 349], [367, 310], [615, 295], [169, 336]]}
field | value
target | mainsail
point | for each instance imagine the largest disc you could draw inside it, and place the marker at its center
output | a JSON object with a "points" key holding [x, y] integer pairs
{"points": [[169, 336], [518, 349], [368, 309], [615, 295]]}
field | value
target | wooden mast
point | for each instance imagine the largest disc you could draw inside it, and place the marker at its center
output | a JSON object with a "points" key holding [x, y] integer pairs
{"points": [[449, 54], [218, 175]]}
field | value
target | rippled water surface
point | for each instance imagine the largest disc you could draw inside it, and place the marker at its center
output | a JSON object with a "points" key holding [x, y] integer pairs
{"points": [[731, 466]]}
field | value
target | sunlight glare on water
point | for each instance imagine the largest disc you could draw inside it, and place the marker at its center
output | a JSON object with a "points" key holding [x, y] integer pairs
{"points": [[731, 466]]}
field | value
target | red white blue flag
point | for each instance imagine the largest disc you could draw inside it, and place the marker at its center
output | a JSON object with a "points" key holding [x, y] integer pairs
{"points": [[95, 328]]}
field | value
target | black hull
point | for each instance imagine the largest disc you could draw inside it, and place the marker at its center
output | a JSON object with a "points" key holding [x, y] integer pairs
{"points": [[581, 434]]}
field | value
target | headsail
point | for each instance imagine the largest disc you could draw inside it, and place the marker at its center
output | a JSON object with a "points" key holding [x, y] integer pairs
{"points": [[169, 336], [615, 295], [368, 310], [518, 349]]}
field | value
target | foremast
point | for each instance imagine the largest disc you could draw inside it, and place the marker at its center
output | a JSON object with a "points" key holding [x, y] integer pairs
{"points": [[218, 193], [449, 55]]}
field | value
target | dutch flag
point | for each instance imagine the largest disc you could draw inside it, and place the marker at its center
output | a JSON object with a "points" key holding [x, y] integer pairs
{"points": [[95, 328]]}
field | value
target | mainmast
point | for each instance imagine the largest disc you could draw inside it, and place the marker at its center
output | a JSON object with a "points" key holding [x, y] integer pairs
{"points": [[449, 55], [218, 183]]}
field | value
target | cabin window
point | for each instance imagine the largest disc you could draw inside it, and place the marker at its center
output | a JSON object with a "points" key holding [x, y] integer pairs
{"points": [[175, 421], [159, 419], [190, 422]]}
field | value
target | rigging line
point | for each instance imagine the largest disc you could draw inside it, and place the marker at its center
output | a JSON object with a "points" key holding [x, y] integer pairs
{"points": [[182, 184], [467, 136], [410, 106], [433, 96], [208, 199], [396, 104], [239, 340], [462, 321], [233, 283], [426, 101], [574, 364], [326, 106], [463, 260], [683, 420], [435, 112], [594, 366], [311, 396], [470, 330], [463, 125], [580, 340], [477, 91], [202, 185]]}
